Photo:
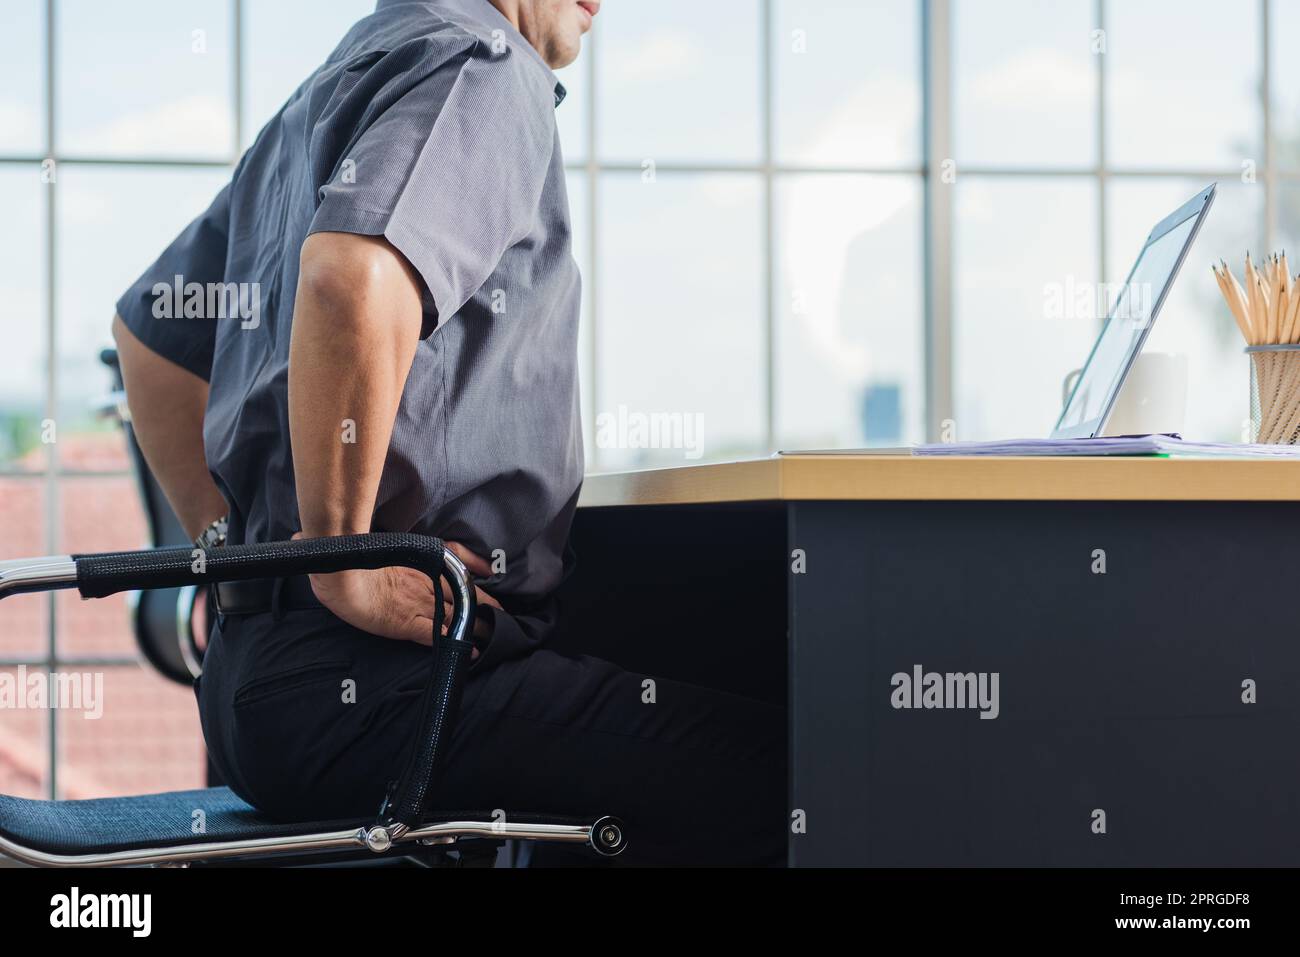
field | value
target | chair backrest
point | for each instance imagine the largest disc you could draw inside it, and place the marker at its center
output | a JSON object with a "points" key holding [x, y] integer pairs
{"points": [[161, 618]]}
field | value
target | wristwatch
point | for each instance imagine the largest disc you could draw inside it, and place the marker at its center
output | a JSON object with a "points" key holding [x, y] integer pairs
{"points": [[214, 536]]}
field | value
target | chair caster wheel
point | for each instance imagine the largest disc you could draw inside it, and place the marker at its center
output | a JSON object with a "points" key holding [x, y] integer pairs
{"points": [[609, 836]]}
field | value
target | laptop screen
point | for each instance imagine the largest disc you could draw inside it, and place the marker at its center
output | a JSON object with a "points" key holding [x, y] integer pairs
{"points": [[1128, 324]]}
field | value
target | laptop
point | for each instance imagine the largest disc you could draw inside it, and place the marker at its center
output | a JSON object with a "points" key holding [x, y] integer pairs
{"points": [[1131, 318]]}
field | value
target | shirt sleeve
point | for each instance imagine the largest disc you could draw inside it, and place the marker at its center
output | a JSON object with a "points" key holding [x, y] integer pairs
{"points": [[451, 174], [153, 308]]}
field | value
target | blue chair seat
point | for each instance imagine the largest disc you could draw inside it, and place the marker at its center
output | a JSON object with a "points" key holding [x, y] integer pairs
{"points": [[107, 825]]}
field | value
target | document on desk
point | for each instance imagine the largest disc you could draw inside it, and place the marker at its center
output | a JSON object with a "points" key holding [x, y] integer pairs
{"points": [[1122, 445], [896, 450]]}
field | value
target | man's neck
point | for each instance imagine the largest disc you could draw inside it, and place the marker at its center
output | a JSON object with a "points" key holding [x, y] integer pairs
{"points": [[509, 9]]}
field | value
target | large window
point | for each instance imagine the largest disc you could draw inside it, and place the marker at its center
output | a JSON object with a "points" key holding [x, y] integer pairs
{"points": [[801, 223]]}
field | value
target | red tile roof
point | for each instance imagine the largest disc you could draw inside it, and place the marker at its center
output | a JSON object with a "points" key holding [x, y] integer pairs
{"points": [[148, 738]]}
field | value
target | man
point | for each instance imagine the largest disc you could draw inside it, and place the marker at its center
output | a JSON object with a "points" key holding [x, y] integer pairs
{"points": [[397, 352]]}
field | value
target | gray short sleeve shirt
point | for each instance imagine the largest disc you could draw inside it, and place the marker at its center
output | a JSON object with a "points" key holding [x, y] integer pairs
{"points": [[432, 124]]}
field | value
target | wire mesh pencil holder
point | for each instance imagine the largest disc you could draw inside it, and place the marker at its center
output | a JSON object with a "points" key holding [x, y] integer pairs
{"points": [[1275, 394]]}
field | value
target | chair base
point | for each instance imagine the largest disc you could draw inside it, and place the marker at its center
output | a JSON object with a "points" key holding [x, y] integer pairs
{"points": [[213, 825]]}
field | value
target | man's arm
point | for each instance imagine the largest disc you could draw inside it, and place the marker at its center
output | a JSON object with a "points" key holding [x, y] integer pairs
{"points": [[166, 363], [167, 405], [356, 325]]}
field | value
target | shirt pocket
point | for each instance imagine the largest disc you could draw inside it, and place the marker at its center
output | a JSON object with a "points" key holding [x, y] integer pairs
{"points": [[282, 682]]}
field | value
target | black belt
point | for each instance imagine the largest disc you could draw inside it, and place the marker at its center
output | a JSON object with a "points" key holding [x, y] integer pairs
{"points": [[260, 595]]}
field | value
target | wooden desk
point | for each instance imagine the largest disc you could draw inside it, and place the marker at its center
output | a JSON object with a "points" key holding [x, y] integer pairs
{"points": [[812, 478], [1119, 691]]}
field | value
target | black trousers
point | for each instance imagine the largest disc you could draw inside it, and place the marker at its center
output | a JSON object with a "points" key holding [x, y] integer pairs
{"points": [[304, 715]]}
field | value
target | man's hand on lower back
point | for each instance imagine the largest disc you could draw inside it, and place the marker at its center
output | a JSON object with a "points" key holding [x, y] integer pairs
{"points": [[397, 602]]}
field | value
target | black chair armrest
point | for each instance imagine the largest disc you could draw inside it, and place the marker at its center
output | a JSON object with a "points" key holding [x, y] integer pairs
{"points": [[108, 573]]}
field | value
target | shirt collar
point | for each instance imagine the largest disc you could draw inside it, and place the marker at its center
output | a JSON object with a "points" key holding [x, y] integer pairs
{"points": [[492, 18]]}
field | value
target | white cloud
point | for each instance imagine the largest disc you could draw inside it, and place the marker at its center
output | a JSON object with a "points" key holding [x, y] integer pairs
{"points": [[1036, 80], [662, 55], [822, 218], [19, 122], [194, 125], [867, 123], [82, 206]]}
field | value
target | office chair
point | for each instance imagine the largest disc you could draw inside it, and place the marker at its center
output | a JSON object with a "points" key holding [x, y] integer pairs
{"points": [[213, 825]]}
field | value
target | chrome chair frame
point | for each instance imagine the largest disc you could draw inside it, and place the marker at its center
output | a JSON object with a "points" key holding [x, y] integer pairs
{"points": [[403, 826]]}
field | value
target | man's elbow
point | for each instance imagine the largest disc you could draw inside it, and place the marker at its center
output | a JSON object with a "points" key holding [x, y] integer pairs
{"points": [[355, 282], [132, 354]]}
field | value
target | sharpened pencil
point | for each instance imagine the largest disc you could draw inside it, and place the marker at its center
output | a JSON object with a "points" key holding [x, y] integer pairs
{"points": [[1236, 307]]}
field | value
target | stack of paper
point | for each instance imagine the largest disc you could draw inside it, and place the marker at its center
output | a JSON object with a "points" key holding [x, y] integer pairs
{"points": [[1117, 445]]}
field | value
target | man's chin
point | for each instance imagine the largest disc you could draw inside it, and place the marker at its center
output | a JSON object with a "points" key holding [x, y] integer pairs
{"points": [[563, 52]]}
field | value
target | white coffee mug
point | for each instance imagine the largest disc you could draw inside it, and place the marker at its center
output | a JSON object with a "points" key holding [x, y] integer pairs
{"points": [[1153, 399]]}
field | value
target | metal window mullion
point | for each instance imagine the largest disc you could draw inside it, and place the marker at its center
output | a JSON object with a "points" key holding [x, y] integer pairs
{"points": [[769, 252], [186, 162], [79, 473], [1270, 147], [237, 76], [103, 661], [671, 166], [1103, 181], [592, 169], [938, 244], [668, 166], [51, 375]]}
